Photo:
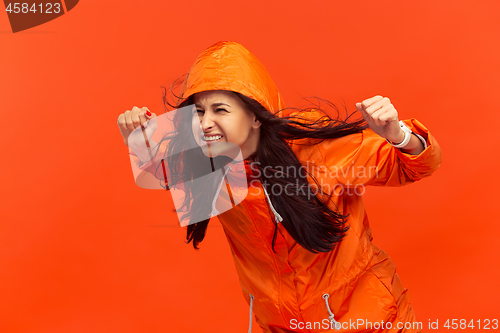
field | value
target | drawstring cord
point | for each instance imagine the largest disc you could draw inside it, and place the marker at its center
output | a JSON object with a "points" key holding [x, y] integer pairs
{"points": [[251, 305], [333, 321], [325, 297], [214, 210], [277, 216]]}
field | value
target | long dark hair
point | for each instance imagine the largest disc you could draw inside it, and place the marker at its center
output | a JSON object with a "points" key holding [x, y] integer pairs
{"points": [[318, 230]]}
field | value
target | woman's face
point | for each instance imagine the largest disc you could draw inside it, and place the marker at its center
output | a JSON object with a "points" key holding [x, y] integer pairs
{"points": [[223, 122]]}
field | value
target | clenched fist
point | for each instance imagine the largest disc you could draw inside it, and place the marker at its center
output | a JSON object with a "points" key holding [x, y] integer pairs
{"points": [[131, 119], [382, 117]]}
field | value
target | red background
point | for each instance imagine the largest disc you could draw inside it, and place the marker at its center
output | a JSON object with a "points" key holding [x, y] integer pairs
{"points": [[83, 249]]}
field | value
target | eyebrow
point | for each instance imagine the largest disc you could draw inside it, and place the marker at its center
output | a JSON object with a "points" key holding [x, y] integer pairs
{"points": [[214, 104]]}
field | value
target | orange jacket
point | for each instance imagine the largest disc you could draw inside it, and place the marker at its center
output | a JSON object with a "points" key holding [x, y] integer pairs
{"points": [[294, 290]]}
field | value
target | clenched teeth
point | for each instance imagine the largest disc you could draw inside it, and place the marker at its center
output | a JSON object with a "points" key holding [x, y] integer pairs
{"points": [[210, 138]]}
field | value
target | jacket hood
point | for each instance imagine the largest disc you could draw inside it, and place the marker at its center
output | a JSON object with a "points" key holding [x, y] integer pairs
{"points": [[230, 66]]}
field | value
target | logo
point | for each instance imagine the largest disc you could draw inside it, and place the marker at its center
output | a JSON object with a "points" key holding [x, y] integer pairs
{"points": [[209, 175], [28, 14]]}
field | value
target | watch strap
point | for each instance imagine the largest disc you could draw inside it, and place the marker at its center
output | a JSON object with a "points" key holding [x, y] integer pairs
{"points": [[407, 138]]}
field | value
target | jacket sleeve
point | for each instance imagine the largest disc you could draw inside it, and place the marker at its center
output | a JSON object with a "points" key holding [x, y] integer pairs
{"points": [[152, 174], [367, 159], [379, 163]]}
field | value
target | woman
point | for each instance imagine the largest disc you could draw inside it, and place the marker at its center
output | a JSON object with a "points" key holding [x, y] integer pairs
{"points": [[300, 239]]}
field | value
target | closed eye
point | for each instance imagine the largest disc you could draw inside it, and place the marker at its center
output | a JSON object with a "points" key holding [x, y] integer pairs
{"points": [[218, 109]]}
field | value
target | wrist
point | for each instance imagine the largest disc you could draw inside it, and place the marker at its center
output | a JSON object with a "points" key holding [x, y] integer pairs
{"points": [[406, 133], [399, 139]]}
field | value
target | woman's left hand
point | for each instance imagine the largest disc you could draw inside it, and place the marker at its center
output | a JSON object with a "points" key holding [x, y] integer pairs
{"points": [[382, 117]]}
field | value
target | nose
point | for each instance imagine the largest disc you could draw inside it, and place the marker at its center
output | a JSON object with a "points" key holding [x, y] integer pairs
{"points": [[206, 121]]}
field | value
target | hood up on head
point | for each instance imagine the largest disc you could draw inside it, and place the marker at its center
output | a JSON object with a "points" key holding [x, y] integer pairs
{"points": [[230, 66]]}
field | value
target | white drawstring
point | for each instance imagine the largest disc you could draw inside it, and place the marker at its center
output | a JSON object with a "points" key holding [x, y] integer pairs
{"points": [[214, 210], [335, 323], [251, 305], [277, 216], [332, 320]]}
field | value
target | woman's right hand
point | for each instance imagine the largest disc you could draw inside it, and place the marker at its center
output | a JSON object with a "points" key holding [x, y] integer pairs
{"points": [[131, 119]]}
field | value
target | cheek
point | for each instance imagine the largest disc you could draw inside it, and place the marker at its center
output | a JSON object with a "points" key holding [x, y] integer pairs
{"points": [[196, 132], [238, 133]]}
